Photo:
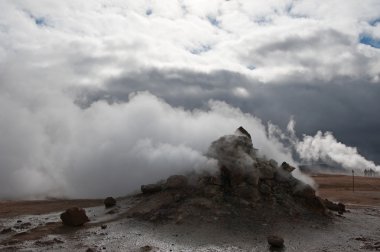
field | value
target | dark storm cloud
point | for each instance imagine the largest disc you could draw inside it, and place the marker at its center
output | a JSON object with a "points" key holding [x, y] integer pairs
{"points": [[179, 87], [347, 107]]}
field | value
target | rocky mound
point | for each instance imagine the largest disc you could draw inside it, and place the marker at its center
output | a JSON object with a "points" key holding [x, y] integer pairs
{"points": [[244, 185]]}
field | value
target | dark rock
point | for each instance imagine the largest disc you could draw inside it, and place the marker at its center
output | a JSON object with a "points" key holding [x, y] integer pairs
{"points": [[282, 176], [74, 216], [252, 179], [148, 248], [286, 167], [176, 182], [104, 226], [265, 189], [209, 180], [151, 188], [247, 192], [244, 132], [273, 163], [202, 203], [211, 191], [23, 225], [90, 250], [266, 171], [340, 207], [6, 230], [48, 242], [109, 202], [275, 241]]}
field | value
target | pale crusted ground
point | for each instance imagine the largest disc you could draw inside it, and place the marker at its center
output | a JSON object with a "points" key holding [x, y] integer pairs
{"points": [[358, 230]]}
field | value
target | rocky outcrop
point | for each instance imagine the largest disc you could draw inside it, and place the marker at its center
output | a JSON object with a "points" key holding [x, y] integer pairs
{"points": [[243, 181], [151, 188], [338, 207], [109, 202], [74, 217]]}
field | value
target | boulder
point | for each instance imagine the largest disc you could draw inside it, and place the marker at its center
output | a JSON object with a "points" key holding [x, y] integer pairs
{"points": [[176, 182], [151, 188], [6, 230], [109, 202], [275, 241], [74, 216], [340, 207]]}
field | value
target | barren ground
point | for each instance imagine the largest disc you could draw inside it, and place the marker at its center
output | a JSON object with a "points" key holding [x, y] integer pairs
{"points": [[339, 188], [357, 230]]}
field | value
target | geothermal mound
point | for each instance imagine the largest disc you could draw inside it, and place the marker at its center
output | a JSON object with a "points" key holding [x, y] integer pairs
{"points": [[244, 185]]}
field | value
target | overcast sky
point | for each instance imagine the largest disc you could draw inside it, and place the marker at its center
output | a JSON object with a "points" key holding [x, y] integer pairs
{"points": [[97, 97]]}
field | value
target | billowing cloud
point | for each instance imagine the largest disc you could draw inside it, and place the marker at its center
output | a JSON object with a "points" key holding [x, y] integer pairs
{"points": [[112, 149], [324, 147]]}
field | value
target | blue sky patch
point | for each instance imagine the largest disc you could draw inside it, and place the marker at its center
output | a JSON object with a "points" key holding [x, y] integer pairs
{"points": [[40, 21], [251, 67], [368, 40], [374, 22], [148, 12], [201, 49], [213, 21]]}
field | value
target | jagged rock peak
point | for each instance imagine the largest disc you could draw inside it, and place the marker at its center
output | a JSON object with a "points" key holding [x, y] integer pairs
{"points": [[242, 131]]}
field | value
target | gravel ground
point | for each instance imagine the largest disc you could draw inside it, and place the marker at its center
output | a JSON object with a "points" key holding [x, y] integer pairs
{"points": [[357, 230]]}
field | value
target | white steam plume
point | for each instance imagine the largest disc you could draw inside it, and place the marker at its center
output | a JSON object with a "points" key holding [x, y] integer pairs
{"points": [[51, 147], [325, 147]]}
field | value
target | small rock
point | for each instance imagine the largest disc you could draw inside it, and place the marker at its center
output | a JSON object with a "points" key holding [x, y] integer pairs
{"points": [[48, 242], [74, 216], [340, 207], [275, 241], [148, 248], [6, 230], [104, 226], [287, 167], [23, 225], [151, 188], [244, 132], [90, 250], [109, 202]]}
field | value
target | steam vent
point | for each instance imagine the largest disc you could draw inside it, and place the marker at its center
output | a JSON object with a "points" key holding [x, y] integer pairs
{"points": [[244, 185]]}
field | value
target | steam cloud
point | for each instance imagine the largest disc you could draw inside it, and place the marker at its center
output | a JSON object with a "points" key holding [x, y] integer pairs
{"points": [[59, 149], [324, 147]]}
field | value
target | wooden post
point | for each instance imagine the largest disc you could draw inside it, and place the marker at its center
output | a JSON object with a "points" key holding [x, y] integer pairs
{"points": [[353, 181]]}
